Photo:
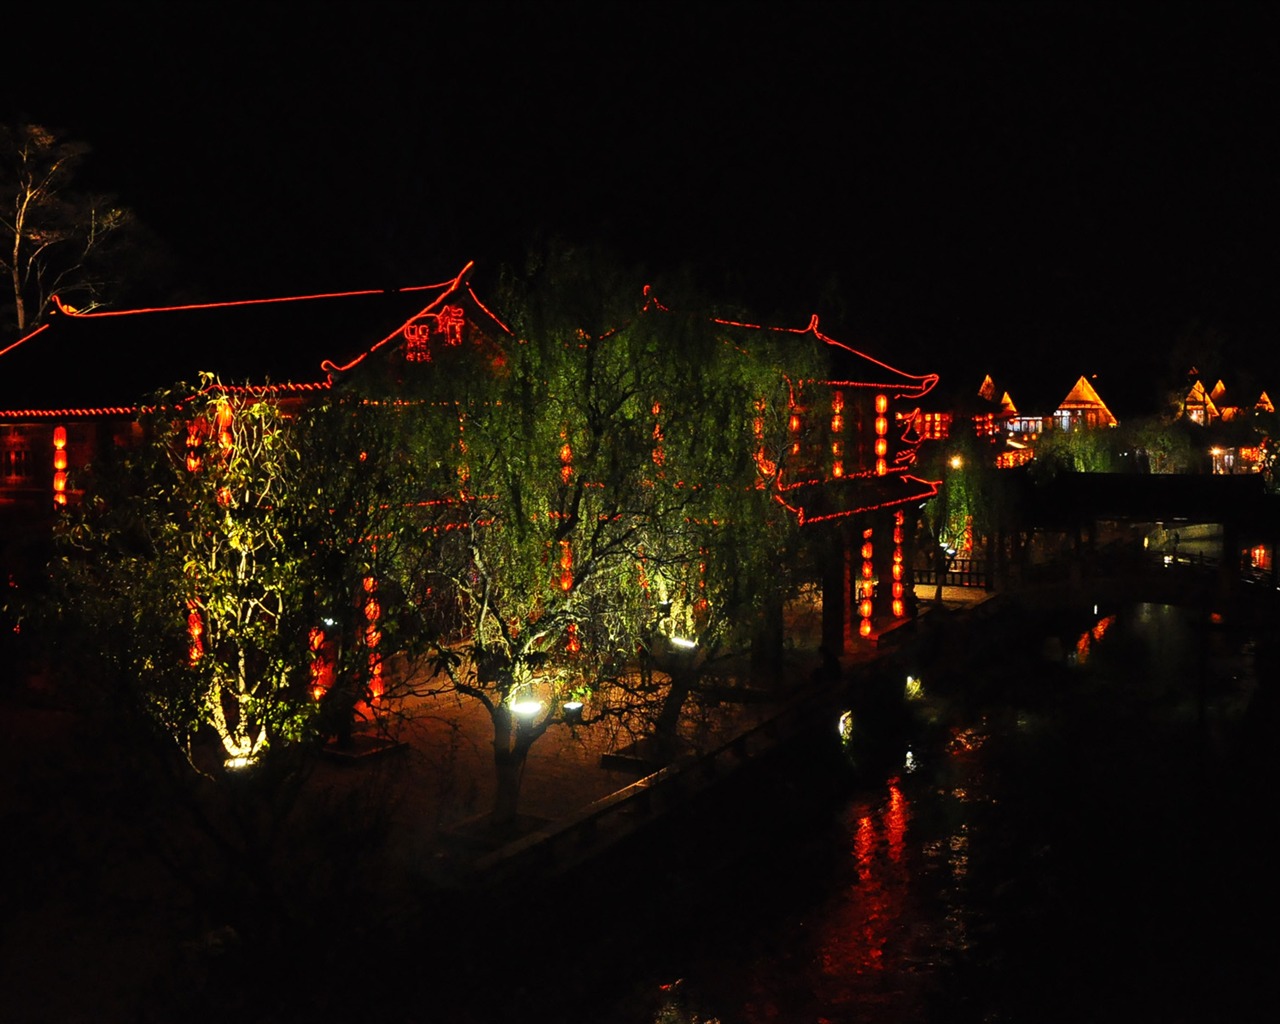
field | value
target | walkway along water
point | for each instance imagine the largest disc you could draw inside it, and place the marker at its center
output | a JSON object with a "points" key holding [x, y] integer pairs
{"points": [[872, 680]]}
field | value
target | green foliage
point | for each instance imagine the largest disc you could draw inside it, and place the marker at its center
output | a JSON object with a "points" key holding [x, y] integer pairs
{"points": [[972, 499], [181, 580], [1162, 446], [575, 476], [1075, 451]]}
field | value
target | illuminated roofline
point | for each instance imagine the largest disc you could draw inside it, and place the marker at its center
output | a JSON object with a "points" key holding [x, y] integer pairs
{"points": [[802, 519], [70, 312], [923, 383], [25, 337], [453, 287], [253, 390]]}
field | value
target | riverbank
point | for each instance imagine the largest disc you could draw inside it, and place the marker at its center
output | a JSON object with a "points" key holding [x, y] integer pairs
{"points": [[111, 917]]}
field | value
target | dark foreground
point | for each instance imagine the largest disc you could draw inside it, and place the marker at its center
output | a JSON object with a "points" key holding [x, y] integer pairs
{"points": [[1082, 833]]}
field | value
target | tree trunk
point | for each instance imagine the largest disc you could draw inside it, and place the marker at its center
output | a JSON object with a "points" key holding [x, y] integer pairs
{"points": [[509, 774], [511, 745], [769, 639], [666, 729]]}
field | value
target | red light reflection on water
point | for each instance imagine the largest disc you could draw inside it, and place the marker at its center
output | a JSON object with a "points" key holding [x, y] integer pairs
{"points": [[1084, 645], [859, 946], [871, 951]]}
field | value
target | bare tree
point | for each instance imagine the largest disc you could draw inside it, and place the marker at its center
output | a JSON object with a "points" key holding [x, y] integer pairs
{"points": [[57, 239]]}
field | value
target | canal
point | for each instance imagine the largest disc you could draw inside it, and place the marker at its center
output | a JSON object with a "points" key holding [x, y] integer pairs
{"points": [[1076, 827]]}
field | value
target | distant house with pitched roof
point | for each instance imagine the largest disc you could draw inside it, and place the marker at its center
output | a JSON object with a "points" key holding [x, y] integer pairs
{"points": [[990, 412]]}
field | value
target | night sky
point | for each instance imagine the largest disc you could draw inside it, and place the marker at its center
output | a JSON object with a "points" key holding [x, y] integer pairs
{"points": [[1034, 187]]}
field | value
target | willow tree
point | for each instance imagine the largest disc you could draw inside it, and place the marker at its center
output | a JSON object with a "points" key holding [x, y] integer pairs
{"points": [[568, 477], [180, 580], [360, 522], [719, 576], [973, 500]]}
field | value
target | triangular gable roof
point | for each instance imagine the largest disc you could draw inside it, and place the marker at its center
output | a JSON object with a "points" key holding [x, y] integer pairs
{"points": [[1084, 396], [1199, 398], [1264, 403], [108, 362], [443, 321], [1007, 408]]}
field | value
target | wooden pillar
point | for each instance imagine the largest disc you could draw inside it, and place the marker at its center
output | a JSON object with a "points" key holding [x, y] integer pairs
{"points": [[835, 591]]}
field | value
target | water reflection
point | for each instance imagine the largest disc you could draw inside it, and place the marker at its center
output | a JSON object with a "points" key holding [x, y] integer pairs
{"points": [[1079, 846]]}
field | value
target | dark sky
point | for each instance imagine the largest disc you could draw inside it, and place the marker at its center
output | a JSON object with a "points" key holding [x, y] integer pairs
{"points": [[1036, 185]]}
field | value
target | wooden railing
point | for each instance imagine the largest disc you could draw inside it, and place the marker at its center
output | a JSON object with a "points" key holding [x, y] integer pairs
{"points": [[960, 572]]}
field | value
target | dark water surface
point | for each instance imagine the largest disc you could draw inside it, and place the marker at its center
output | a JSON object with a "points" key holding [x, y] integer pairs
{"points": [[1078, 828]]}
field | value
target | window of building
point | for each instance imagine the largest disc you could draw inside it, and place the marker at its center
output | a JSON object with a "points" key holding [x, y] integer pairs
{"points": [[15, 463]]}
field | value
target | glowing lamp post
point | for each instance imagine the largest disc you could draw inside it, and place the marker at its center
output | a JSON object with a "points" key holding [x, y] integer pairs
{"points": [[525, 705]]}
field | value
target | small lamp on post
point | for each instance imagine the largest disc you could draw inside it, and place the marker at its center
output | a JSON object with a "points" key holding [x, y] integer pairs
{"points": [[525, 705]]}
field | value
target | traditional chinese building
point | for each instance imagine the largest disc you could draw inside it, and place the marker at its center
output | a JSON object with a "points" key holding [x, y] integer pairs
{"points": [[76, 386]]}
